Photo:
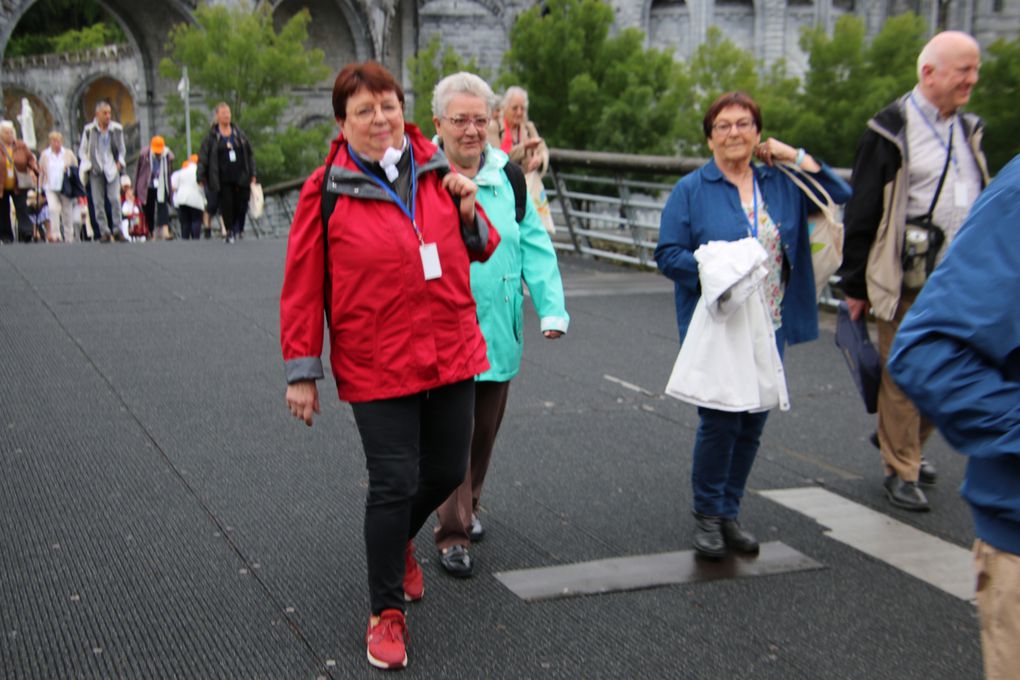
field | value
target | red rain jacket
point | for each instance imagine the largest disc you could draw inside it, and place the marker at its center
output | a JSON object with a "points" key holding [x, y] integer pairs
{"points": [[392, 333]]}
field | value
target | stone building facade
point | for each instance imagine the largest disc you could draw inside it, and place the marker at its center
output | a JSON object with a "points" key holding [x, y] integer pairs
{"points": [[62, 88]]}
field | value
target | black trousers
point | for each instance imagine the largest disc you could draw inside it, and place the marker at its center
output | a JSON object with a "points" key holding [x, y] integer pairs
{"points": [[156, 214], [191, 222], [416, 451], [233, 206]]}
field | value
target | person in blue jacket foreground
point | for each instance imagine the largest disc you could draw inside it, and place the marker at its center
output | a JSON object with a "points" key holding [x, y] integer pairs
{"points": [[462, 107], [728, 199], [957, 356]]}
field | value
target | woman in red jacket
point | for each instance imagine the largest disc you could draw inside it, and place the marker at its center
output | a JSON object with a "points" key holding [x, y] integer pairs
{"points": [[391, 272]]}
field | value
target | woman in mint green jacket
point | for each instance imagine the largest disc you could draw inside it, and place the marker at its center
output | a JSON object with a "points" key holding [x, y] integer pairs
{"points": [[461, 106]]}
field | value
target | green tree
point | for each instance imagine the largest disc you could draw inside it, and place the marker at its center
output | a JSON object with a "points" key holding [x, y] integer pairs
{"points": [[848, 81], [235, 55], [995, 99], [587, 89], [428, 67]]}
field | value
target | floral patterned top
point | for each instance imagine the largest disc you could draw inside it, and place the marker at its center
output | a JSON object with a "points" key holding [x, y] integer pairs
{"points": [[768, 236]]}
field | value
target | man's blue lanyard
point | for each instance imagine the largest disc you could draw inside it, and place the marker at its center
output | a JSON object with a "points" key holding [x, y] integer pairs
{"points": [[754, 223], [393, 194], [948, 146]]}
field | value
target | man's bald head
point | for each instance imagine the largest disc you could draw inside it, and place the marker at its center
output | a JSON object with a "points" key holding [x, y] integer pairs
{"points": [[947, 70]]}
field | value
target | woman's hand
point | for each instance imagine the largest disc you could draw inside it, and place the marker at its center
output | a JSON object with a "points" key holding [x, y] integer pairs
{"points": [[303, 400], [534, 163], [772, 150], [552, 335], [463, 188], [532, 143]]}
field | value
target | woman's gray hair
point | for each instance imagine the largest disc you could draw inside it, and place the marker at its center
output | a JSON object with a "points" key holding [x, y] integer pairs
{"points": [[514, 91], [8, 125], [460, 83]]}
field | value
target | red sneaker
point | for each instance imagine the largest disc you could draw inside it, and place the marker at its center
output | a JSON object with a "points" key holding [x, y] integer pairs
{"points": [[385, 638], [414, 579]]}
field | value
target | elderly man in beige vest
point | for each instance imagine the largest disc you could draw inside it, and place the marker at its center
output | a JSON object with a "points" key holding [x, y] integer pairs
{"points": [[919, 158]]}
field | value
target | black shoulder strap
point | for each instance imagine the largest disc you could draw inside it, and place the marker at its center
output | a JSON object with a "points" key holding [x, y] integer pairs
{"points": [[327, 204], [520, 187], [942, 179]]}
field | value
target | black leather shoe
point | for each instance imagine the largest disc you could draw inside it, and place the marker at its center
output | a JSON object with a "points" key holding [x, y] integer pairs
{"points": [[737, 539], [456, 561], [928, 474], [477, 531], [905, 495], [708, 538]]}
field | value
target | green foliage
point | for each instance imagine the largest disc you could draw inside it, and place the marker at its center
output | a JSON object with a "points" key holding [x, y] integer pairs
{"points": [[995, 99], [587, 89], [427, 68], [235, 55], [51, 26], [88, 38], [848, 81]]}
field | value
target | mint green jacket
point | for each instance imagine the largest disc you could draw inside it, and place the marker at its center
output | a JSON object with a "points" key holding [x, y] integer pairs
{"points": [[525, 254]]}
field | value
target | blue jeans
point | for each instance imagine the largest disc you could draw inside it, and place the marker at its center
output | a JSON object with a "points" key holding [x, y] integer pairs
{"points": [[724, 450]]}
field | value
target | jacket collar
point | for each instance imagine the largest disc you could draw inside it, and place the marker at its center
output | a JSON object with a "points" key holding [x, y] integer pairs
{"points": [[711, 172]]}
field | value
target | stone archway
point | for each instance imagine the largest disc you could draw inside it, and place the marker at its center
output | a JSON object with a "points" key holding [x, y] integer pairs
{"points": [[104, 86], [145, 24]]}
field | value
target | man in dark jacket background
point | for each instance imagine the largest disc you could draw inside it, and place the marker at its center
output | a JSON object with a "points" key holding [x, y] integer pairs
{"points": [[918, 149], [957, 355]]}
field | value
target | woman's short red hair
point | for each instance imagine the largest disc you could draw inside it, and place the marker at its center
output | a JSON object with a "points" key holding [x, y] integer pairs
{"points": [[725, 100], [369, 75]]}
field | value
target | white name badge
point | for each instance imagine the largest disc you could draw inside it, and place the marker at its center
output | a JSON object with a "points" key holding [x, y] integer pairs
{"points": [[232, 156], [962, 195], [430, 261]]}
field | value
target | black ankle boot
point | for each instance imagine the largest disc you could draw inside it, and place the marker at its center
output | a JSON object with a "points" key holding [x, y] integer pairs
{"points": [[737, 539], [708, 538]]}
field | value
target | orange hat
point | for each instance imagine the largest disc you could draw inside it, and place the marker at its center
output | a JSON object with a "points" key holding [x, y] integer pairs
{"points": [[158, 145], [193, 158]]}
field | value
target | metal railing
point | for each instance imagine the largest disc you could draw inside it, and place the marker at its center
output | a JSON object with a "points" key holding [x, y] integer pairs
{"points": [[604, 205]]}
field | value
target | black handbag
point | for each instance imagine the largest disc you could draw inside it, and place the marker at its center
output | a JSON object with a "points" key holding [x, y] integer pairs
{"points": [[71, 186], [923, 239]]}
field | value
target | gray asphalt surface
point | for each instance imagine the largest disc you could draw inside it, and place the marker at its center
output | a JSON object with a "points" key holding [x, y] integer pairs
{"points": [[162, 516]]}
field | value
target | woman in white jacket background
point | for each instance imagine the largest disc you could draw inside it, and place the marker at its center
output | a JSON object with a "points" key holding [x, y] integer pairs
{"points": [[732, 200], [188, 198]]}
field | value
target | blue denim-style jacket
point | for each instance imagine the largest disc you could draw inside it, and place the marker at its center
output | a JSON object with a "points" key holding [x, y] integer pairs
{"points": [[704, 206]]}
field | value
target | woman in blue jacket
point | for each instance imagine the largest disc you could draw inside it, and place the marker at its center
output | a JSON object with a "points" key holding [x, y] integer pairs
{"points": [[729, 199]]}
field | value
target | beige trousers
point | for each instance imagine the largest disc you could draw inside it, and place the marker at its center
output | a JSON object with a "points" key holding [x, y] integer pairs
{"points": [[998, 596], [901, 429]]}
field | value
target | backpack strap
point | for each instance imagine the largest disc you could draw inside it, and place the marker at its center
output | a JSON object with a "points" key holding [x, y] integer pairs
{"points": [[520, 187], [327, 204]]}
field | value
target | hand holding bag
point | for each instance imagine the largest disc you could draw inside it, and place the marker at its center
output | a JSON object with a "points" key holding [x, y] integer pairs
{"points": [[825, 231], [861, 356]]}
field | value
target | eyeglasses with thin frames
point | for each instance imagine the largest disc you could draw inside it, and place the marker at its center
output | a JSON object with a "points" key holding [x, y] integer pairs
{"points": [[724, 127], [461, 122]]}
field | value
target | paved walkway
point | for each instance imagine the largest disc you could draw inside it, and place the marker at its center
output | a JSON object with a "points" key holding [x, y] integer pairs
{"points": [[161, 515]]}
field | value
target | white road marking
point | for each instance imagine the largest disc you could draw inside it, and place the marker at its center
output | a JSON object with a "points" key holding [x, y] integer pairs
{"points": [[944, 565], [629, 386]]}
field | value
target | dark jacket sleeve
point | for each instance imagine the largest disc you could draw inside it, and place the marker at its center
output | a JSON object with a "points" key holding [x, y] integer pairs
{"points": [[957, 352], [875, 165], [203, 160]]}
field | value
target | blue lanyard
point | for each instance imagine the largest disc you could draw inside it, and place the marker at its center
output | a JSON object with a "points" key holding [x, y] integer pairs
{"points": [[754, 224], [948, 146], [393, 194]]}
